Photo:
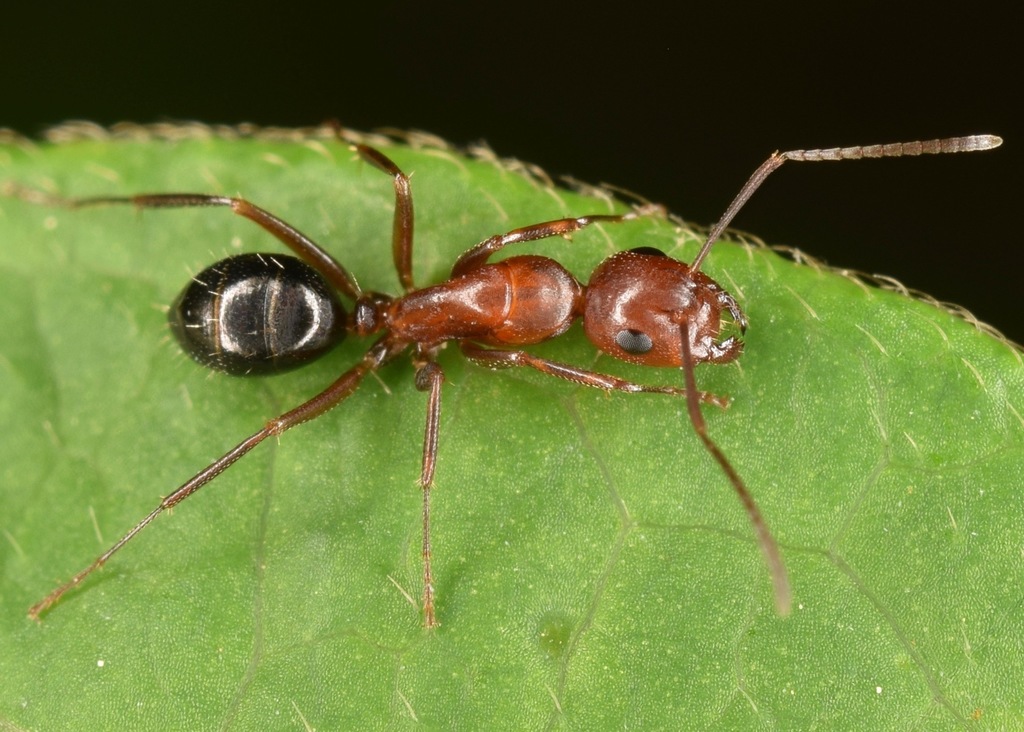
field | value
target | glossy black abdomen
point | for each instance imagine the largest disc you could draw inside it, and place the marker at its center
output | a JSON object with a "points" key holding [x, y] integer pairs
{"points": [[257, 314]]}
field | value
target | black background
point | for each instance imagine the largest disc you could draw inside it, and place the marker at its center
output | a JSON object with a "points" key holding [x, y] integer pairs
{"points": [[678, 103]]}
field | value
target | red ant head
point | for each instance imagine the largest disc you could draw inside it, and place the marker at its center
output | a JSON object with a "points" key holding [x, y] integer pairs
{"points": [[637, 300]]}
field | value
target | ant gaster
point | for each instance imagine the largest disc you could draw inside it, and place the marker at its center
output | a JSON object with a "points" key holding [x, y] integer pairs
{"points": [[260, 313]]}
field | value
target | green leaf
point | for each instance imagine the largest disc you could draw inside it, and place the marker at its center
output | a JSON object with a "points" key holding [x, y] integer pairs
{"points": [[594, 569]]}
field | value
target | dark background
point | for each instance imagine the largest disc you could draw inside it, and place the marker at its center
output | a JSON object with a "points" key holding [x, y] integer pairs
{"points": [[678, 104]]}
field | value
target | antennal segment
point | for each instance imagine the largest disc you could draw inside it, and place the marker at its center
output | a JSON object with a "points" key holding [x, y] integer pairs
{"points": [[772, 557], [972, 143]]}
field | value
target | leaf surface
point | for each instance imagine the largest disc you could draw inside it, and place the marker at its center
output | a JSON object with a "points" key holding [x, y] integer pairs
{"points": [[594, 569]]}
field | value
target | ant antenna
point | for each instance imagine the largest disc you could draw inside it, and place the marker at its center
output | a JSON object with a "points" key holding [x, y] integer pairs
{"points": [[893, 150], [780, 580]]}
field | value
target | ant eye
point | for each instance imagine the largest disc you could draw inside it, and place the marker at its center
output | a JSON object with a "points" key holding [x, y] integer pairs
{"points": [[633, 341], [653, 251]]}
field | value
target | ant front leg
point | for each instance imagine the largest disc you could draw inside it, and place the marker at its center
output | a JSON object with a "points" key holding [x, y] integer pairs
{"points": [[478, 255], [429, 378], [496, 358]]}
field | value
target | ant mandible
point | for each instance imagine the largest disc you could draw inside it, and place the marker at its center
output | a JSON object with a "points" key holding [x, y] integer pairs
{"points": [[264, 313]]}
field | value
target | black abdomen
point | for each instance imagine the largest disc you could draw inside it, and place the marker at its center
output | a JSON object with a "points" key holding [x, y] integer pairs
{"points": [[257, 314]]}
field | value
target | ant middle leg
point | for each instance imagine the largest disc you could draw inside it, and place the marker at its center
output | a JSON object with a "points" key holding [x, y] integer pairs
{"points": [[429, 378], [402, 226]]}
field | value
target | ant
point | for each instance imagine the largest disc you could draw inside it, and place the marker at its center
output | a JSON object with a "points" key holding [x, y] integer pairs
{"points": [[264, 313]]}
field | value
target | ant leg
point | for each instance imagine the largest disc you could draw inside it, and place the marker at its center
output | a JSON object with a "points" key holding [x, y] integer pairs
{"points": [[495, 359], [769, 548], [478, 255], [307, 250], [429, 377], [401, 230], [343, 386]]}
